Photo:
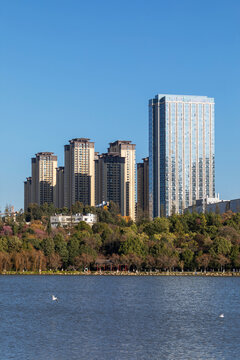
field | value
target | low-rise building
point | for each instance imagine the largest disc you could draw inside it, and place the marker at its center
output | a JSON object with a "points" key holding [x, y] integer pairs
{"points": [[215, 205], [72, 220]]}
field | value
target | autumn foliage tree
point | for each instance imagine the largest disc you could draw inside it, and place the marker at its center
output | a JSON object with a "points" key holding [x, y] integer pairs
{"points": [[179, 242]]}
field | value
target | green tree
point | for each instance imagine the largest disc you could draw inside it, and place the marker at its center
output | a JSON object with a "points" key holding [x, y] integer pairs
{"points": [[33, 213], [187, 257], [14, 244], [3, 244], [235, 256], [134, 244], [73, 249], [105, 216], [48, 209], [48, 246], [77, 208], [158, 225], [176, 224], [213, 219], [34, 242], [61, 248], [222, 245], [89, 210], [83, 226]]}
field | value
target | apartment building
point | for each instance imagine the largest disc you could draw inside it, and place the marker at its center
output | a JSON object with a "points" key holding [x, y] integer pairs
{"points": [[109, 178], [41, 187], [79, 172], [143, 188], [125, 149]]}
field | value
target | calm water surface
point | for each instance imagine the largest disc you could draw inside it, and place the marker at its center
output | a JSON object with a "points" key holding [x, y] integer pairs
{"points": [[119, 318]]}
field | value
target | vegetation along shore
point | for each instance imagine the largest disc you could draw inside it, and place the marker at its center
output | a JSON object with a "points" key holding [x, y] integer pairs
{"points": [[189, 244]]}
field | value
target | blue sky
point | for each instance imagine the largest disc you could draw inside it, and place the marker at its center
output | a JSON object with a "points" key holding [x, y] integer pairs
{"points": [[71, 68]]}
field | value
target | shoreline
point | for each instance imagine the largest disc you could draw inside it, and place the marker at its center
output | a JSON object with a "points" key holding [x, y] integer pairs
{"points": [[124, 273]]}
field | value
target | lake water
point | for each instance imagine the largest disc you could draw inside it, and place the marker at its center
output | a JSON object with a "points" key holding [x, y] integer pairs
{"points": [[119, 318]]}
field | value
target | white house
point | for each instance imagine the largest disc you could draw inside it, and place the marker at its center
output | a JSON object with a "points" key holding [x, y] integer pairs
{"points": [[71, 220]]}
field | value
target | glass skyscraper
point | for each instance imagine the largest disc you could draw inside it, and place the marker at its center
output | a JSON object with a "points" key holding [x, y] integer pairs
{"points": [[181, 152]]}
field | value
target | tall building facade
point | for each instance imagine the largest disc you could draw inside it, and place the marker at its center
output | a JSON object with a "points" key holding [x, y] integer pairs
{"points": [[60, 187], [41, 187], [109, 170], [127, 150], [181, 152], [98, 184], [143, 188], [79, 174], [27, 192]]}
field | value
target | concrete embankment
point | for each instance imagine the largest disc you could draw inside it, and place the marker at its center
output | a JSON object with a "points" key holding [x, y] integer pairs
{"points": [[126, 273]]}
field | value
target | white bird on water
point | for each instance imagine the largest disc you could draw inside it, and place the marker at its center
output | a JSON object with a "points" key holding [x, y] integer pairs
{"points": [[221, 315], [54, 298]]}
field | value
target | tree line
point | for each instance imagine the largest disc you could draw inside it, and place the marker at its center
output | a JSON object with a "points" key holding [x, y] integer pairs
{"points": [[186, 242]]}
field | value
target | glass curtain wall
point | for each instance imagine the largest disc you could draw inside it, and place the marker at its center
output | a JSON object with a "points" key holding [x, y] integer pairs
{"points": [[181, 152]]}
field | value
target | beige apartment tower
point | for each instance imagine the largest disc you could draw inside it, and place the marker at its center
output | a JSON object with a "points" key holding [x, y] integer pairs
{"points": [[79, 176], [41, 187], [126, 150]]}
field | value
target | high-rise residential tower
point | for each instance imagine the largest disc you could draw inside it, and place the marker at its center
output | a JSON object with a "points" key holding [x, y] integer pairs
{"points": [[27, 192], [127, 150], [79, 176], [60, 187], [181, 152], [143, 188], [109, 170], [41, 187]]}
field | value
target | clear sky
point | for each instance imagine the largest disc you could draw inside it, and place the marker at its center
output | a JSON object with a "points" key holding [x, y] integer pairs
{"points": [[72, 68]]}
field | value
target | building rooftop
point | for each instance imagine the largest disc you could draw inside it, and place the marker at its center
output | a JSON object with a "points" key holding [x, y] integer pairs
{"points": [[118, 142], [183, 98], [28, 179], [113, 154], [83, 140], [44, 153]]}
